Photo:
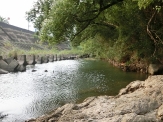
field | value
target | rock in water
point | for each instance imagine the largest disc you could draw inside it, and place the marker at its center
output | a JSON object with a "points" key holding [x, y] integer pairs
{"points": [[155, 69], [3, 71], [140, 101]]}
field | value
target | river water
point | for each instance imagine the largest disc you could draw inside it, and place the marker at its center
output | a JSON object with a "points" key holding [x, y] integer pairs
{"points": [[26, 95]]}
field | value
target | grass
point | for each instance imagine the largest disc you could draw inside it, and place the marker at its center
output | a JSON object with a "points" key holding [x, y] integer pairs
{"points": [[15, 52]]}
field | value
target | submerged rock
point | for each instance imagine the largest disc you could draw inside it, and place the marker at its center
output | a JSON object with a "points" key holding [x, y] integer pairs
{"points": [[2, 116], [140, 101], [34, 70]]}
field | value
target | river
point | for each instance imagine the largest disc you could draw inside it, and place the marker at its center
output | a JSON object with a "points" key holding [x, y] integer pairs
{"points": [[30, 94]]}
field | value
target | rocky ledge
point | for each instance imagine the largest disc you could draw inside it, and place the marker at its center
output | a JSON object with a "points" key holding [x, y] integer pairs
{"points": [[140, 101]]}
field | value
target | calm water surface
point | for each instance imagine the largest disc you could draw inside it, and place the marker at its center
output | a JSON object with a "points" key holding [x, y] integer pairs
{"points": [[31, 94]]}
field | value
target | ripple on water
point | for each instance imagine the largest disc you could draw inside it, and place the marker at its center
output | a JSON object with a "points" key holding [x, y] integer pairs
{"points": [[30, 94]]}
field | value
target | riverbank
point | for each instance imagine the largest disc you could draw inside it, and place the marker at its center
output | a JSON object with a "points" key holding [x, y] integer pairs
{"points": [[140, 101], [140, 67]]}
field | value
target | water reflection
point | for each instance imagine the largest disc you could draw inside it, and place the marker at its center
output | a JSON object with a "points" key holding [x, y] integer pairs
{"points": [[31, 94]]}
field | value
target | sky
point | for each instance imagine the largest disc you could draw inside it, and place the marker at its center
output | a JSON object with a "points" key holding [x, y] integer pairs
{"points": [[15, 10]]}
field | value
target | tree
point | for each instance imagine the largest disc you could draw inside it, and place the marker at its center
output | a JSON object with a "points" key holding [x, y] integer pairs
{"points": [[69, 18], [39, 13], [154, 10], [126, 29], [4, 20]]}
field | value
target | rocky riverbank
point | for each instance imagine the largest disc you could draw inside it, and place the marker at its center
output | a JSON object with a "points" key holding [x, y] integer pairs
{"points": [[140, 101], [152, 69]]}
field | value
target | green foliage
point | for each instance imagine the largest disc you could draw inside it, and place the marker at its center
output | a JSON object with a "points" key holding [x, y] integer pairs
{"points": [[146, 3], [67, 19], [95, 47], [2, 19], [115, 29], [73, 51], [39, 12]]}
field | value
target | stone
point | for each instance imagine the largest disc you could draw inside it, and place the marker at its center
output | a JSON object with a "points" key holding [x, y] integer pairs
{"points": [[39, 59], [59, 57], [34, 70], [22, 59], [131, 87], [8, 60], [45, 59], [160, 112], [2, 116], [73, 57], [55, 57], [21, 68], [3, 64], [3, 71], [155, 68], [51, 58], [9, 67], [31, 59], [1, 57], [12, 66]]}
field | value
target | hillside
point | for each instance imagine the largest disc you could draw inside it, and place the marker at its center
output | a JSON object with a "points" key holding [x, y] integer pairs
{"points": [[12, 37]]}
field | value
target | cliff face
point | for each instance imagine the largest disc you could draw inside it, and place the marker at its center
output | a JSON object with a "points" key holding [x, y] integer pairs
{"points": [[140, 101]]}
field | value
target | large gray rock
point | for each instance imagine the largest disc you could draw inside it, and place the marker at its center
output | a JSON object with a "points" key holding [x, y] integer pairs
{"points": [[155, 68], [39, 59], [55, 57], [21, 68], [3, 71], [8, 60], [45, 59], [140, 101], [51, 58], [31, 59], [11, 67], [59, 57], [22, 59], [1, 57]]}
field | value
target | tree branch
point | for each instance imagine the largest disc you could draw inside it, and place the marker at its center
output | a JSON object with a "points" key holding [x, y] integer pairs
{"points": [[101, 9], [103, 23], [150, 33]]}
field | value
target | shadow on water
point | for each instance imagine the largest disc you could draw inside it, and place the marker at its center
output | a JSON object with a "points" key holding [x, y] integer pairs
{"points": [[31, 94]]}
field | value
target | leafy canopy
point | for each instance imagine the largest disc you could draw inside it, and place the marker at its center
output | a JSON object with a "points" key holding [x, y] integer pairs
{"points": [[66, 19], [125, 29]]}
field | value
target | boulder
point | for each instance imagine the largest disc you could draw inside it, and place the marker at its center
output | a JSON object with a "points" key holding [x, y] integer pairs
{"points": [[72, 57], [45, 59], [39, 59], [2, 115], [55, 57], [140, 101], [1, 57], [3, 71], [59, 57], [3, 64], [8, 60], [21, 68], [22, 59], [11, 67], [155, 69], [51, 58], [31, 59]]}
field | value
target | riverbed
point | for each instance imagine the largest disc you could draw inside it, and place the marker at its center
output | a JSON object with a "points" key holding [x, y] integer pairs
{"points": [[44, 87]]}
